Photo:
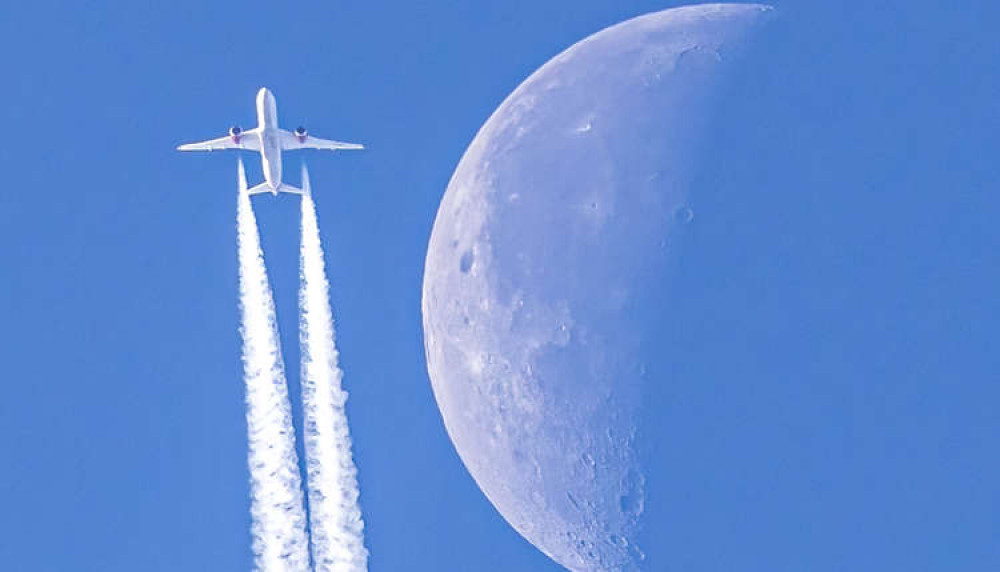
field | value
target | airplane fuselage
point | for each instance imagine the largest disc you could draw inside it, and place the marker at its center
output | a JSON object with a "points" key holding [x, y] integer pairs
{"points": [[270, 142]]}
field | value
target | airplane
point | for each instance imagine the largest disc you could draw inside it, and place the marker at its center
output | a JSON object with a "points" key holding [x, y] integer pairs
{"points": [[270, 140]]}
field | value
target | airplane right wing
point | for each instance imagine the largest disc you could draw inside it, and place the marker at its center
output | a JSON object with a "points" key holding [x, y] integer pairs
{"points": [[227, 142], [301, 140]]}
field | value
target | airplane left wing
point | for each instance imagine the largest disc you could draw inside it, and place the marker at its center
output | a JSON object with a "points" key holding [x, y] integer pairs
{"points": [[227, 142], [300, 140]]}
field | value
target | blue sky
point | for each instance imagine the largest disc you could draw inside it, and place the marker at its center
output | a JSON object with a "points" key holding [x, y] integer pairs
{"points": [[853, 292]]}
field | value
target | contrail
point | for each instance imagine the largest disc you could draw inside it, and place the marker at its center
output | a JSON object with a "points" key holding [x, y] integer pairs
{"points": [[334, 515], [276, 506]]}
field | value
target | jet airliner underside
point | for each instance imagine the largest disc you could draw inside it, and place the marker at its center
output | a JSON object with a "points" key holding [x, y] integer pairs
{"points": [[269, 140]]}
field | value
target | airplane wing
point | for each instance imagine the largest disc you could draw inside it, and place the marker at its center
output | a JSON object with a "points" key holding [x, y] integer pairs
{"points": [[291, 141], [227, 142]]}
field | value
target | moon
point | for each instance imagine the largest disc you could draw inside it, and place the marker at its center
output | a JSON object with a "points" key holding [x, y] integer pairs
{"points": [[551, 243]]}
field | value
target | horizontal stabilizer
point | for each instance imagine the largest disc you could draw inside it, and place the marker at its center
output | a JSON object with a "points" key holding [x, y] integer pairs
{"points": [[266, 187], [261, 188]]}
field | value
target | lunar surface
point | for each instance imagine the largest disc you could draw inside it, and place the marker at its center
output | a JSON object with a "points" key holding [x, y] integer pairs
{"points": [[551, 242]]}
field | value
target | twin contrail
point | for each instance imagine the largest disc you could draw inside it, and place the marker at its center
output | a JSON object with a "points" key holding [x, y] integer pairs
{"points": [[334, 515], [335, 523], [276, 507]]}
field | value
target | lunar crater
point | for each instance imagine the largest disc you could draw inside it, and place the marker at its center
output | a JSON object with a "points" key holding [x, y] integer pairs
{"points": [[466, 261]]}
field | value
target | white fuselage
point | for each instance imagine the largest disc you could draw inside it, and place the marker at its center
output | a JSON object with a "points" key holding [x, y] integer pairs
{"points": [[270, 142]]}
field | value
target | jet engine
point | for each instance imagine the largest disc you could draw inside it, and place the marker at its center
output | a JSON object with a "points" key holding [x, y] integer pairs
{"points": [[301, 133], [235, 133]]}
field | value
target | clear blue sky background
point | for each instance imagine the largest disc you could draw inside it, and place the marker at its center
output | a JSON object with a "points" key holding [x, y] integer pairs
{"points": [[853, 291]]}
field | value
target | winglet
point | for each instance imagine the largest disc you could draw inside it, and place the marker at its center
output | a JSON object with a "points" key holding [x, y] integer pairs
{"points": [[242, 176], [306, 188]]}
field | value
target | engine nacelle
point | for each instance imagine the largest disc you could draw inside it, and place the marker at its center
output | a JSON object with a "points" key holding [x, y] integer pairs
{"points": [[235, 133], [301, 133]]}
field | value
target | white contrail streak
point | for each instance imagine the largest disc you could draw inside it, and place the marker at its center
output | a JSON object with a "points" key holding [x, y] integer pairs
{"points": [[334, 515], [276, 505]]}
